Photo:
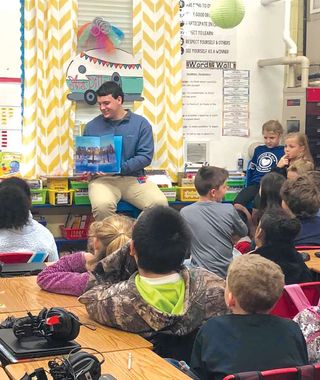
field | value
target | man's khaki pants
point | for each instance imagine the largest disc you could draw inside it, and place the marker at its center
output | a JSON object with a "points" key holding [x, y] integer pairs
{"points": [[106, 192]]}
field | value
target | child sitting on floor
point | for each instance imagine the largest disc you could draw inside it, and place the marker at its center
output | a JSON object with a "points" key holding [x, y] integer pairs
{"points": [[19, 232], [264, 159], [147, 290], [275, 241], [215, 225], [249, 339], [297, 154], [270, 197], [298, 168], [302, 197], [70, 274]]}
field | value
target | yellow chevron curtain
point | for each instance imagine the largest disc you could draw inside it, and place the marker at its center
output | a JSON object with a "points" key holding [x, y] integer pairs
{"points": [[156, 37], [48, 120]]}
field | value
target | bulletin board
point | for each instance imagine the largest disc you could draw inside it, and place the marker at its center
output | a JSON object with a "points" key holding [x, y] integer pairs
{"points": [[10, 87]]}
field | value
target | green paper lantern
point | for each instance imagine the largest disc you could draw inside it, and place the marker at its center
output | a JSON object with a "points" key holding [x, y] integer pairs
{"points": [[226, 13]]}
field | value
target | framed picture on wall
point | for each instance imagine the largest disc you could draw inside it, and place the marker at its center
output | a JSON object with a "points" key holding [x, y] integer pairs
{"points": [[315, 6]]}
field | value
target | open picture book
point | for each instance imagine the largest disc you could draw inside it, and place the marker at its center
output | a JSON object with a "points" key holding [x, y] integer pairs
{"points": [[98, 154]]}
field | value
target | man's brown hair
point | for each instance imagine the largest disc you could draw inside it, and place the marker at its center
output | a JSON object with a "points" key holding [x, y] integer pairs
{"points": [[255, 282], [301, 196], [208, 178], [272, 126]]}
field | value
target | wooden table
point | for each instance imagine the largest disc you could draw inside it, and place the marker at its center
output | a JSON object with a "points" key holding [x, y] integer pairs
{"points": [[23, 293], [3, 375], [103, 339], [314, 262], [107, 339], [146, 365], [19, 294]]}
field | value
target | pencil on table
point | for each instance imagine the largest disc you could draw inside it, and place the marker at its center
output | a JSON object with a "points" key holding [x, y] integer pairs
{"points": [[129, 361]]}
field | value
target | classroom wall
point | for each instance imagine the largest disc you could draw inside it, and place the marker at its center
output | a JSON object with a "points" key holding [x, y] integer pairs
{"points": [[10, 92], [313, 32], [258, 36], [10, 51], [10, 38]]}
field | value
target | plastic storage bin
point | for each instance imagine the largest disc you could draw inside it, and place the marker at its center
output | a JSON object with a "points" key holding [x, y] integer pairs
{"points": [[187, 194], [34, 183], [170, 193], [186, 179], [230, 196], [234, 187], [38, 196], [80, 193], [58, 198], [57, 183], [74, 233], [240, 183]]}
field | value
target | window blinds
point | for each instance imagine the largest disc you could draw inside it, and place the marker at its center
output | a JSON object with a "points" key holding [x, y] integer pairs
{"points": [[119, 14]]}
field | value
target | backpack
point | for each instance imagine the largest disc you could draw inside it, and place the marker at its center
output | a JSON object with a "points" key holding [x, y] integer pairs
{"points": [[308, 319]]}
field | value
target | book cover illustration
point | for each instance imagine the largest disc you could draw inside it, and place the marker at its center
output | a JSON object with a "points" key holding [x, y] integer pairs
{"points": [[97, 154], [9, 163]]}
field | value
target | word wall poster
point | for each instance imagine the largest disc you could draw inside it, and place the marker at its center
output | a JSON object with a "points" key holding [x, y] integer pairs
{"points": [[206, 52]]}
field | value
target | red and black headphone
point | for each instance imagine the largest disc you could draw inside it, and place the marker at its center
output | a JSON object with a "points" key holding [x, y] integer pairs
{"points": [[53, 324]]}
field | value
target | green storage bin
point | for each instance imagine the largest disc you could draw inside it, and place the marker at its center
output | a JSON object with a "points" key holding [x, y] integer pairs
{"points": [[81, 196], [38, 196], [236, 182], [230, 196], [170, 193]]}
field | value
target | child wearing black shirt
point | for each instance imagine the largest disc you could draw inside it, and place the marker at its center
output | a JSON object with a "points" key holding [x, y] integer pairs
{"points": [[248, 339]]}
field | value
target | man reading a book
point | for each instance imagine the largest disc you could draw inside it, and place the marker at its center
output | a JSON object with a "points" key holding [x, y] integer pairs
{"points": [[130, 184]]}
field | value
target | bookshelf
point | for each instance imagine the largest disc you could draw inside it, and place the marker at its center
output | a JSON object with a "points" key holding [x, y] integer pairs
{"points": [[56, 215]]}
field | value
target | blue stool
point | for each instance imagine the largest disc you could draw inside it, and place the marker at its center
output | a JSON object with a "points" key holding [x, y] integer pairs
{"points": [[125, 207]]}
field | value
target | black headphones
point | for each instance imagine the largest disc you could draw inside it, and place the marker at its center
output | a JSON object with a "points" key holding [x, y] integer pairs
{"points": [[53, 324], [78, 365]]}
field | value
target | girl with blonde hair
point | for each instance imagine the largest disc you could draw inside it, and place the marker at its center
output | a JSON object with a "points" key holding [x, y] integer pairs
{"points": [[297, 154], [70, 274]]}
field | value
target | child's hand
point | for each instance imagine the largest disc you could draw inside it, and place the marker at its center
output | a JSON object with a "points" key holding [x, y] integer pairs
{"points": [[88, 257], [284, 161]]}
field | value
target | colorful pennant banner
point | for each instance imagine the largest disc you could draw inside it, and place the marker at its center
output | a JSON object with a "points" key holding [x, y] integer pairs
{"points": [[111, 64]]}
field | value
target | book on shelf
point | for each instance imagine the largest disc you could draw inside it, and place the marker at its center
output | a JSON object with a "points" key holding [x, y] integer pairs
{"points": [[78, 221], [98, 154], [70, 221], [83, 221]]}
